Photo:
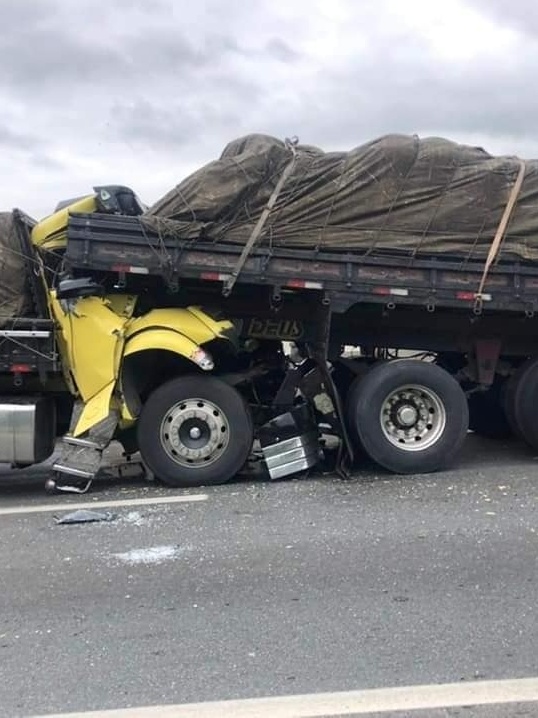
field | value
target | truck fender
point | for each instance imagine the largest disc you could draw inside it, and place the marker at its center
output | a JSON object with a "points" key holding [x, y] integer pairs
{"points": [[169, 340], [160, 339]]}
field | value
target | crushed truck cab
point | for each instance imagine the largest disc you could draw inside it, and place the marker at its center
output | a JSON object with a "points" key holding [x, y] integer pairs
{"points": [[98, 333], [114, 353]]}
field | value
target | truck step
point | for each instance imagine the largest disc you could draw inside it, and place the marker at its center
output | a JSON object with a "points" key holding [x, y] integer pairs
{"points": [[85, 443], [82, 457], [82, 462]]}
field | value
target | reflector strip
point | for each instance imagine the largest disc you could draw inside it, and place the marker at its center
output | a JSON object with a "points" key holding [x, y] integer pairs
{"points": [[129, 269], [303, 284], [214, 276], [21, 369], [394, 291], [471, 296]]}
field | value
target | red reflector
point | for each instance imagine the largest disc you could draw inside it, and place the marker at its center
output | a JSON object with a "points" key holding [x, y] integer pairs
{"points": [[381, 290], [21, 369], [466, 296], [211, 276], [303, 284]]}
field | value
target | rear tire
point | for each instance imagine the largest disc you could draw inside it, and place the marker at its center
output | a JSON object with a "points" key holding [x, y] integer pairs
{"points": [[195, 431], [525, 398], [350, 404], [512, 395], [409, 416], [487, 416]]}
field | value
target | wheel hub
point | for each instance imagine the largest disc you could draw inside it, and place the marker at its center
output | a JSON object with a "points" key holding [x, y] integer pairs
{"points": [[412, 417], [407, 415], [194, 433]]}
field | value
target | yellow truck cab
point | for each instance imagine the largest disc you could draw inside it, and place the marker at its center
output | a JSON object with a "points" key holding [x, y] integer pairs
{"points": [[127, 367]]}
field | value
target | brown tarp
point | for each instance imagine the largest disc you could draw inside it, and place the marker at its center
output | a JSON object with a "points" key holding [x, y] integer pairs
{"points": [[13, 293], [399, 192]]}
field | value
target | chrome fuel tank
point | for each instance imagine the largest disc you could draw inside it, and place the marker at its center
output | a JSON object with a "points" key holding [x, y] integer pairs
{"points": [[27, 429]]}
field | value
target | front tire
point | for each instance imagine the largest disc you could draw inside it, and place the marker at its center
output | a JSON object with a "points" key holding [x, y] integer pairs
{"points": [[195, 431], [410, 416]]}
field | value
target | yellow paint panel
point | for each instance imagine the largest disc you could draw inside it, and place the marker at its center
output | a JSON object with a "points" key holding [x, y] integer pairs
{"points": [[165, 339], [93, 336], [50, 232], [185, 321], [95, 410], [122, 304]]}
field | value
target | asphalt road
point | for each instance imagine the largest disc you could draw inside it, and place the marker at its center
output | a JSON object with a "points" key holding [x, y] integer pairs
{"points": [[267, 588]]}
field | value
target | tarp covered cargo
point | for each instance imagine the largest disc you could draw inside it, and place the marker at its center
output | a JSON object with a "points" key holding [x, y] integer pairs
{"points": [[399, 192], [13, 291]]}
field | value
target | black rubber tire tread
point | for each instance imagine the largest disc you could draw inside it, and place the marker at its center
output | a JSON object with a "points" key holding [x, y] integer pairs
{"points": [[487, 416], [526, 399], [232, 406], [349, 413], [512, 393], [385, 378]]}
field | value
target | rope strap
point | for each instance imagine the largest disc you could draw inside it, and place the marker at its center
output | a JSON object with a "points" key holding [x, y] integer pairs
{"points": [[256, 232], [501, 229]]}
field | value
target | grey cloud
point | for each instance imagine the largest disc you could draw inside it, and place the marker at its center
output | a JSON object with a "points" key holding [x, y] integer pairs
{"points": [[180, 79], [281, 50], [20, 141], [17, 15], [145, 6], [171, 54], [397, 87], [184, 121], [41, 58], [45, 161], [161, 128], [521, 15]]}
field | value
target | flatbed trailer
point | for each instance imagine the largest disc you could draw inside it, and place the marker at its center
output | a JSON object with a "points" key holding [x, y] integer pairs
{"points": [[374, 299], [472, 322]]}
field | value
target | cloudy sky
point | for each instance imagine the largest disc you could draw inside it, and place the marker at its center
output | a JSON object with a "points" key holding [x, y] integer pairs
{"points": [[142, 92]]}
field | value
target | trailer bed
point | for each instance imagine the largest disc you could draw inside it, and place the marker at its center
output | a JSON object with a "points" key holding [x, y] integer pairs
{"points": [[123, 246]]}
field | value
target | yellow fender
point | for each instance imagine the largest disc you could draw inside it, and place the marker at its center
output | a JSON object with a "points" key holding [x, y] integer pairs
{"points": [[166, 339], [98, 407]]}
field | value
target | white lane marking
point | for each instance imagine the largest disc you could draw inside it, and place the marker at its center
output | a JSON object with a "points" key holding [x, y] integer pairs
{"points": [[43, 508], [152, 555], [379, 700]]}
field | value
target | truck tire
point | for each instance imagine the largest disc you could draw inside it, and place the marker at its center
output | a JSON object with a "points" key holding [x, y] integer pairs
{"points": [[487, 416], [349, 407], [512, 394], [410, 416], [195, 431], [524, 399]]}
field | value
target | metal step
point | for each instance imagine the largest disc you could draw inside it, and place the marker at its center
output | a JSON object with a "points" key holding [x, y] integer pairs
{"points": [[82, 462], [82, 457]]}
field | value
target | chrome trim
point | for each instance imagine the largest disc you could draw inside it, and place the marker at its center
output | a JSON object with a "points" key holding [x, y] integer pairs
{"points": [[24, 334], [80, 473], [292, 455], [84, 443]]}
